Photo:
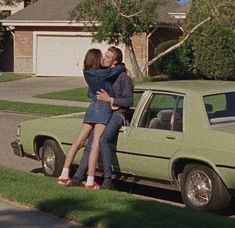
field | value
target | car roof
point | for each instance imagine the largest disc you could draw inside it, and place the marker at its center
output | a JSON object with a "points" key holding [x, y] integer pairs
{"points": [[189, 86]]}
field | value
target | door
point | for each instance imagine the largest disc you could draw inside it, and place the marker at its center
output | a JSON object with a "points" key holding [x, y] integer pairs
{"points": [[146, 149]]}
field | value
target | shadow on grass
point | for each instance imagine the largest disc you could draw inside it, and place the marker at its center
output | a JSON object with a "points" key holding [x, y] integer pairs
{"points": [[131, 213]]}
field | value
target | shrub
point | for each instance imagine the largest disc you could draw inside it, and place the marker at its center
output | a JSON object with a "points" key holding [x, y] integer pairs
{"points": [[213, 48], [176, 64]]}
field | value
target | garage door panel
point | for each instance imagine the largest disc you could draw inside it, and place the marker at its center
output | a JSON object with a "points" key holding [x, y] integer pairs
{"points": [[58, 55]]}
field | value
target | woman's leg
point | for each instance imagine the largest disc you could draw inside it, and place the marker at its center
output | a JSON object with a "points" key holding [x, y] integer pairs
{"points": [[94, 153], [78, 144]]}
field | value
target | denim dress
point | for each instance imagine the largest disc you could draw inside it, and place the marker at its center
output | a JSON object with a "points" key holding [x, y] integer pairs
{"points": [[97, 79]]}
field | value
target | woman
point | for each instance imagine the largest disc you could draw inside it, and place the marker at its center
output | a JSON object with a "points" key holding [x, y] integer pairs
{"points": [[97, 115]]}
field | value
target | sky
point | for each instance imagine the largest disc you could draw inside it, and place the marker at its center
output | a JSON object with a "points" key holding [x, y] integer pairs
{"points": [[182, 2]]}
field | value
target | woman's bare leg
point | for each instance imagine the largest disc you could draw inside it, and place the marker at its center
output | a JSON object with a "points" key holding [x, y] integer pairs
{"points": [[78, 144], [94, 153]]}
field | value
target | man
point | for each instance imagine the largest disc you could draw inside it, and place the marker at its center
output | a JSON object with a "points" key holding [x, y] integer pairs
{"points": [[123, 91]]}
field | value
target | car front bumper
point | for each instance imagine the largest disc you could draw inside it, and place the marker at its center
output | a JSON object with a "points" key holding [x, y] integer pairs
{"points": [[17, 148]]}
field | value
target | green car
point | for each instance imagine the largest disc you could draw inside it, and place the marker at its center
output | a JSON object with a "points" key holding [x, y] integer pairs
{"points": [[181, 135]]}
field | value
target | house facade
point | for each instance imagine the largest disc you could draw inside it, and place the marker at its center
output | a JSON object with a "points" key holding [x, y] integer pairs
{"points": [[46, 43]]}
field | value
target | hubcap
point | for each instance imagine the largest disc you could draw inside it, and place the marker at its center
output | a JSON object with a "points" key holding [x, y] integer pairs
{"points": [[198, 188], [49, 161]]}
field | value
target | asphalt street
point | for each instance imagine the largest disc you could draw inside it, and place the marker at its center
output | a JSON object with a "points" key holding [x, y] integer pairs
{"points": [[8, 126]]}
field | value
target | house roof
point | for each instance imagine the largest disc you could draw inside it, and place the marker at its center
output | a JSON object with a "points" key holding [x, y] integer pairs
{"points": [[58, 11]]}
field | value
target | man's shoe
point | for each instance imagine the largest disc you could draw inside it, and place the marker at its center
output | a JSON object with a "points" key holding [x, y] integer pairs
{"points": [[107, 184], [76, 181]]}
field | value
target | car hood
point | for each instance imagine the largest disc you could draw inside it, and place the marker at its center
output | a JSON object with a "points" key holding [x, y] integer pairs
{"points": [[225, 128]]}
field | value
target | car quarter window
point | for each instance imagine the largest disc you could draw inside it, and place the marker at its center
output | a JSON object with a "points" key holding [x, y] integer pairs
{"points": [[220, 108], [163, 111]]}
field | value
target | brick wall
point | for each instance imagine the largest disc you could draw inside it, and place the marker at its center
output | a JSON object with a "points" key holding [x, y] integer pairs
{"points": [[23, 61], [139, 42]]}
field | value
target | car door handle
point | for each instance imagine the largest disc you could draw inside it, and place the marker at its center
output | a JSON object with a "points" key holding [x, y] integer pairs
{"points": [[170, 137]]}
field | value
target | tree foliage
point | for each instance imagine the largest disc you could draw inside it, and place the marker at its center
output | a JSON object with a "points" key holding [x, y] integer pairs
{"points": [[210, 46], [116, 21], [10, 2], [213, 44]]}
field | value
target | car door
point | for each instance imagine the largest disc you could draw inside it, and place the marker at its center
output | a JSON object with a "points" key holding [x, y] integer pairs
{"points": [[145, 148]]}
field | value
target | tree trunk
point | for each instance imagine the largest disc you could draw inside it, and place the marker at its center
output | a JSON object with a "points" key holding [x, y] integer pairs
{"points": [[134, 63]]}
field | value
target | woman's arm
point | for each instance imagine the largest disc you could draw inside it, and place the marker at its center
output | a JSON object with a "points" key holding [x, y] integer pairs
{"points": [[110, 72]]}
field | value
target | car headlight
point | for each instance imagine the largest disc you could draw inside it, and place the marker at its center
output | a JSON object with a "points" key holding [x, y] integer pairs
{"points": [[18, 131]]}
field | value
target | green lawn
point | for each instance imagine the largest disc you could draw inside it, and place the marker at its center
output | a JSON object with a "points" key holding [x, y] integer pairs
{"points": [[78, 94], [43, 109], [99, 208], [9, 76]]}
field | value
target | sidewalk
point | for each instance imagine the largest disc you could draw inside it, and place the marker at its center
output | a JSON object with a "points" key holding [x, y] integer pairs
{"points": [[12, 214]]}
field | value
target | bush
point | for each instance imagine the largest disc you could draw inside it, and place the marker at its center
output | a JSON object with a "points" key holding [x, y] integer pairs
{"points": [[176, 64], [214, 47]]}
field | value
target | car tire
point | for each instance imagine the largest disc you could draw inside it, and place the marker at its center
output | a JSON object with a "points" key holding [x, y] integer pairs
{"points": [[202, 189], [52, 158]]}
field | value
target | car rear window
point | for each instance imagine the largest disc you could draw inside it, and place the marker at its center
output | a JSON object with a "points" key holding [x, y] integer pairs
{"points": [[220, 108]]}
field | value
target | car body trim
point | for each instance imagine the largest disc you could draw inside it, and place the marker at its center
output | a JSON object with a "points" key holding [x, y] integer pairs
{"points": [[131, 153], [67, 144], [225, 166], [143, 155]]}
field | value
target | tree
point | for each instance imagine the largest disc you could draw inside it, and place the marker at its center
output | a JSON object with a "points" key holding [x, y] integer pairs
{"points": [[210, 31], [116, 21], [10, 2]]}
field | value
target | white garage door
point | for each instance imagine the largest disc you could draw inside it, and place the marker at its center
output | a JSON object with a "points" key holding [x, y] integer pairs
{"points": [[63, 55]]}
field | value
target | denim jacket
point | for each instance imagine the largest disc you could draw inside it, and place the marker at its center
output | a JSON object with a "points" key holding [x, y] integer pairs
{"points": [[98, 79]]}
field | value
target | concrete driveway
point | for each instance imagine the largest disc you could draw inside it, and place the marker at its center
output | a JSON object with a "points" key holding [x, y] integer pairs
{"points": [[24, 90]]}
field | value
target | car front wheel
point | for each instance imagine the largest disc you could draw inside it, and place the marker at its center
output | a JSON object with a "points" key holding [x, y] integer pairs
{"points": [[202, 189], [52, 158]]}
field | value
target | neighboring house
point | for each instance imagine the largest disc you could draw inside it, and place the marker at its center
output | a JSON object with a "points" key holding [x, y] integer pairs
{"points": [[6, 44], [9, 10], [46, 43]]}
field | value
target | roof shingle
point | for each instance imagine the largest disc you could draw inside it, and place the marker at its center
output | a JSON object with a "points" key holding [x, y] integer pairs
{"points": [[59, 10]]}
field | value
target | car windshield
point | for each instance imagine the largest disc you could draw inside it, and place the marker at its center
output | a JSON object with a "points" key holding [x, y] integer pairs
{"points": [[220, 108]]}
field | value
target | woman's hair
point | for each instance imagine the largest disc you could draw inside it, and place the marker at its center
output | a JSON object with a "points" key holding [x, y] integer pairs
{"points": [[92, 59]]}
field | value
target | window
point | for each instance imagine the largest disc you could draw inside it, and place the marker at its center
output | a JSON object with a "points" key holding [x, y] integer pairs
{"points": [[163, 112], [220, 108]]}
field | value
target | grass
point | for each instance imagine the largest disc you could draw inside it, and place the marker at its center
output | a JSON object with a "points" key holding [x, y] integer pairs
{"points": [[78, 94], [99, 208], [43, 109], [9, 76]]}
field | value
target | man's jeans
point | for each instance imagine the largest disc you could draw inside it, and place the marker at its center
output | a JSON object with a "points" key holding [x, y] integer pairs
{"points": [[111, 129]]}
